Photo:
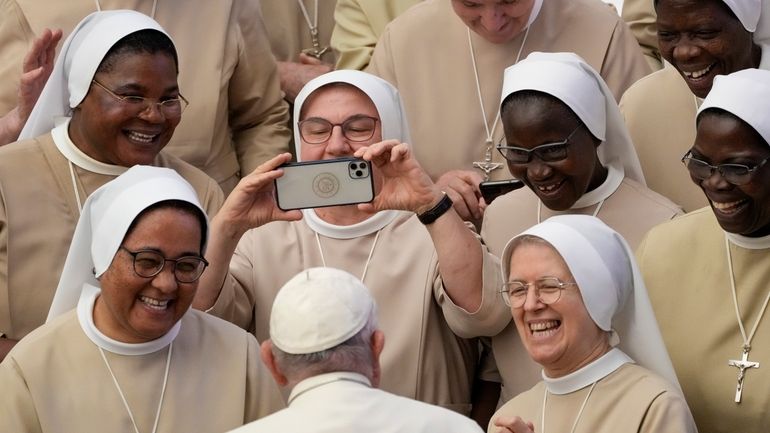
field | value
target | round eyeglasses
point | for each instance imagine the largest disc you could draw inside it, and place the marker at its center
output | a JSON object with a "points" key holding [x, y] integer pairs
{"points": [[736, 174], [316, 130], [549, 152], [547, 290], [149, 263], [171, 108]]}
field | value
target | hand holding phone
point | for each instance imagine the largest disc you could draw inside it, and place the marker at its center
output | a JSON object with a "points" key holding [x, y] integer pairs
{"points": [[330, 182], [492, 189]]}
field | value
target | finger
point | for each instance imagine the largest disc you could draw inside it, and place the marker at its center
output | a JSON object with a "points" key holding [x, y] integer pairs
{"points": [[272, 163], [309, 60], [470, 195], [458, 204]]}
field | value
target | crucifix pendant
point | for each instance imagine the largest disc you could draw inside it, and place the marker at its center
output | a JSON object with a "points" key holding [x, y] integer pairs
{"points": [[742, 366], [317, 51], [487, 166]]}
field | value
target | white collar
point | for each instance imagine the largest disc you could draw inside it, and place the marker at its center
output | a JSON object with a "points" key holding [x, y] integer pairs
{"points": [[363, 228], [61, 138], [85, 312], [535, 12], [615, 175], [314, 382], [596, 370], [759, 243]]}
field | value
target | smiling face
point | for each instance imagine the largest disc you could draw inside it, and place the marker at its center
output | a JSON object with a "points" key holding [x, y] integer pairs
{"points": [[337, 103], [703, 39], [534, 119], [497, 21], [112, 132], [723, 138], [561, 336], [134, 309]]}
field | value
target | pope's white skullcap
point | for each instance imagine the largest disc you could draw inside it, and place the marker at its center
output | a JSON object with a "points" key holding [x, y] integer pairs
{"points": [[318, 309]]}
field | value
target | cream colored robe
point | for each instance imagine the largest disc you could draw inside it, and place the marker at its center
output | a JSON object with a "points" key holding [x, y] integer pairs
{"points": [[423, 359], [38, 215], [631, 210], [631, 399], [684, 264], [641, 19], [425, 54], [288, 31], [237, 117], [56, 381], [660, 114], [358, 26]]}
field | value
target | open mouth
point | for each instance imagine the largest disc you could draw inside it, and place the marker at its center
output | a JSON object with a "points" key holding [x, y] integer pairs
{"points": [[155, 304], [544, 328], [140, 138], [729, 208], [698, 75], [550, 189]]}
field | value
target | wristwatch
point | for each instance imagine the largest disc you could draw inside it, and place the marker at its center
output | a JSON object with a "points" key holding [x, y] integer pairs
{"points": [[432, 214]]}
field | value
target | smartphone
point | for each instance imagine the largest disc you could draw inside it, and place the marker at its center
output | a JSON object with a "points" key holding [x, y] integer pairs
{"points": [[330, 182], [492, 189]]}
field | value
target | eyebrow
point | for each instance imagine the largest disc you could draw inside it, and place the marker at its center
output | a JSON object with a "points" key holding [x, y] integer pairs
{"points": [[133, 87]]}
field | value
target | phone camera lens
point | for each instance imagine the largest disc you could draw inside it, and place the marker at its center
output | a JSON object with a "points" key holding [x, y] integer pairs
{"points": [[359, 173]]}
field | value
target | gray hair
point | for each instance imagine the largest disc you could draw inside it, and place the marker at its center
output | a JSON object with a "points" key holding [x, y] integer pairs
{"points": [[353, 355]]}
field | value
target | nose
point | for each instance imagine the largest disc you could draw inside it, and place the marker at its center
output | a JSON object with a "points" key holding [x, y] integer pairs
{"points": [[538, 170], [532, 303], [152, 113], [493, 19], [165, 281], [685, 50], [716, 181], [337, 143]]}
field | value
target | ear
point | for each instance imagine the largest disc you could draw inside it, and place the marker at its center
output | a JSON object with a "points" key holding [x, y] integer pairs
{"points": [[266, 353], [377, 343]]}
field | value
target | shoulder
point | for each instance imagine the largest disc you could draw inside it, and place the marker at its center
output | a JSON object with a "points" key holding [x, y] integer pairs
{"points": [[658, 85], [47, 340], [583, 13], [639, 381], [649, 201], [687, 226], [24, 151], [422, 416], [200, 181], [424, 18], [219, 329]]}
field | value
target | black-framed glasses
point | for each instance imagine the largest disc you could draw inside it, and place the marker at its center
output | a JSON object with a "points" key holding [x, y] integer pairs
{"points": [[548, 291], [736, 174], [549, 152], [317, 130], [149, 263], [171, 108]]}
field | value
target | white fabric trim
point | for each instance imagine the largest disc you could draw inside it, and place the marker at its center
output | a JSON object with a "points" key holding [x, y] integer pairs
{"points": [[614, 178], [70, 151], [324, 379], [761, 243], [596, 370], [363, 228]]}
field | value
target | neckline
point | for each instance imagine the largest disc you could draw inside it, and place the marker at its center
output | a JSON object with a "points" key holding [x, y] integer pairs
{"points": [[363, 228], [85, 313], [368, 259], [759, 243], [152, 13], [588, 374], [315, 382], [63, 142]]}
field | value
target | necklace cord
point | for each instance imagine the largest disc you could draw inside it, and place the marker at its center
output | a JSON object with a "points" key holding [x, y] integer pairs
{"points": [[746, 340]]}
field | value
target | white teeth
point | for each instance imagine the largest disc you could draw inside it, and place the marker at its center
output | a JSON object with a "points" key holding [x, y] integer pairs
{"points": [[542, 326], [138, 136], [698, 74], [726, 206], [154, 303], [548, 188]]}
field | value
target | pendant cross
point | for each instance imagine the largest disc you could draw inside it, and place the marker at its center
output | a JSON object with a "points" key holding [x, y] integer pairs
{"points": [[487, 166], [316, 51], [742, 366]]}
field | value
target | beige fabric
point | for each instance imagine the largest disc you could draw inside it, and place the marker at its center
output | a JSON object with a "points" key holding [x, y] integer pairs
{"points": [[423, 359], [630, 400], [438, 86], [358, 26], [631, 210], [641, 19], [288, 31], [38, 215], [237, 117], [660, 114], [684, 264], [56, 381]]}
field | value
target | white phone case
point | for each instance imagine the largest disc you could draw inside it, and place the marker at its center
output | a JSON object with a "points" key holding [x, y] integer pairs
{"points": [[331, 182]]}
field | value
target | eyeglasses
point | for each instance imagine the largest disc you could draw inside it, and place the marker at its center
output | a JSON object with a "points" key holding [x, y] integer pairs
{"points": [[548, 291], [149, 263], [549, 152], [171, 108], [356, 128], [736, 174]]}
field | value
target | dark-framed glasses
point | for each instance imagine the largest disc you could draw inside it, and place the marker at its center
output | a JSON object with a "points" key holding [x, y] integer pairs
{"points": [[171, 107], [317, 130], [548, 291], [549, 152], [736, 174], [149, 263]]}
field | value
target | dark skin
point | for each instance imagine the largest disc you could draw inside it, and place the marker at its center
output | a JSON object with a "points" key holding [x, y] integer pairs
{"points": [[722, 139], [537, 121]]}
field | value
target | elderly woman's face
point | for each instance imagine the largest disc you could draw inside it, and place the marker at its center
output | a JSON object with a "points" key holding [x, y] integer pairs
{"points": [[497, 21], [118, 133], [559, 184], [561, 336], [702, 40], [724, 139], [342, 105], [135, 309]]}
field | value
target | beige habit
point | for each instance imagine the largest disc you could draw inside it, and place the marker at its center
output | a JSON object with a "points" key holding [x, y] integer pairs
{"points": [[237, 117], [641, 19], [38, 214], [684, 263], [435, 77], [358, 26], [288, 31]]}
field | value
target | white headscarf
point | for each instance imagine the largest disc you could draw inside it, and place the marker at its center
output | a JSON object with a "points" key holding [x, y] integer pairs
{"points": [[567, 77], [610, 282], [76, 65], [103, 223], [394, 126]]}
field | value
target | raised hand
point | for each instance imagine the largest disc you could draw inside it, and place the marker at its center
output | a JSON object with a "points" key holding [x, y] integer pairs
{"points": [[514, 425], [462, 186], [37, 67]]}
